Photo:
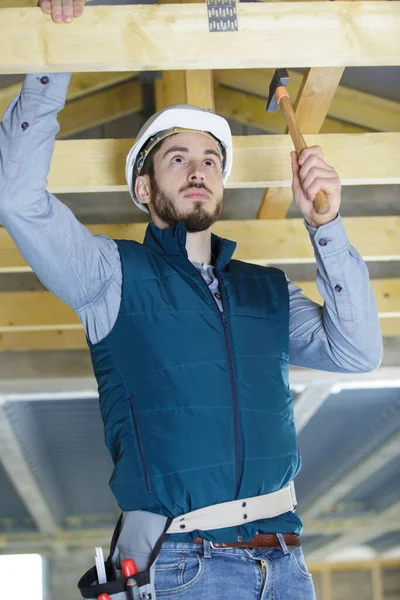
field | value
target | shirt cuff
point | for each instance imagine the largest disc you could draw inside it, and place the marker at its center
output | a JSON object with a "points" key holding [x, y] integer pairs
{"points": [[329, 239], [53, 85]]}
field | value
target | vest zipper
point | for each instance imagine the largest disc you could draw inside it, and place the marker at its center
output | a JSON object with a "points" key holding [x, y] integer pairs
{"points": [[228, 347], [140, 444]]}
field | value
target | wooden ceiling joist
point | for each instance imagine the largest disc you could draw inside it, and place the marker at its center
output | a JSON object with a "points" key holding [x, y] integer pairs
{"points": [[249, 109], [99, 108], [367, 111], [185, 87], [50, 324], [259, 161], [281, 241], [315, 96], [164, 37], [80, 85], [73, 338]]}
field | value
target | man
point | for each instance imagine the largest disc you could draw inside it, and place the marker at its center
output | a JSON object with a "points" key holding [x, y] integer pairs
{"points": [[191, 348]]}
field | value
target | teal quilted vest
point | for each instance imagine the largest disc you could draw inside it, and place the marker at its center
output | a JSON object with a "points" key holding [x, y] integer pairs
{"points": [[196, 404]]}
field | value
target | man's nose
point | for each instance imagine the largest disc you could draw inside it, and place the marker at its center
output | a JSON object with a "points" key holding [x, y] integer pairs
{"points": [[197, 176]]}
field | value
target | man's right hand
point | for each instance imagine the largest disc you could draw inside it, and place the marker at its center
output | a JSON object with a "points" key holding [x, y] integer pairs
{"points": [[62, 10]]}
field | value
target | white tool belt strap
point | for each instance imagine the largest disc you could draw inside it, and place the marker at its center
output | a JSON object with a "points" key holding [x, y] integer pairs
{"points": [[237, 512]]}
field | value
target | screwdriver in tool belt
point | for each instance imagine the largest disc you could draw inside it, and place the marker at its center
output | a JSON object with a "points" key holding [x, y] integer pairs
{"points": [[129, 568]]}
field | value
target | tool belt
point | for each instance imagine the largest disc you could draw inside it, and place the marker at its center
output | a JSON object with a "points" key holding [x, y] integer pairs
{"points": [[139, 535]]}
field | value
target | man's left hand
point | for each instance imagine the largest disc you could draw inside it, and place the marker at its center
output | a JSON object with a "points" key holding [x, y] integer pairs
{"points": [[310, 175]]}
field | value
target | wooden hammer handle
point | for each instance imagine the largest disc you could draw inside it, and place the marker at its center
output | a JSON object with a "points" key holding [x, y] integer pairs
{"points": [[321, 202]]}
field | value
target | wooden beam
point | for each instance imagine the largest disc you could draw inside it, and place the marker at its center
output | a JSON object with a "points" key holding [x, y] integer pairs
{"points": [[40, 321], [315, 96], [41, 310], [164, 37], [17, 3], [327, 593], [348, 105], [101, 107], [185, 87], [170, 89], [200, 89], [249, 109], [311, 108], [279, 242], [377, 582], [60, 339], [356, 565], [259, 161], [80, 85]]}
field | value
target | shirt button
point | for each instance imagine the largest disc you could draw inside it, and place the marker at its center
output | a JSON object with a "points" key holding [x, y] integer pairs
{"points": [[24, 125], [323, 242], [44, 80], [217, 295], [338, 288]]}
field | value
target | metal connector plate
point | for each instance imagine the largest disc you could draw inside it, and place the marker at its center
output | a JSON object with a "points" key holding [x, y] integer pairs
{"points": [[222, 15]]}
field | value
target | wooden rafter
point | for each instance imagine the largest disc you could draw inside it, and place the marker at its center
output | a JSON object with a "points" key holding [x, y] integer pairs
{"points": [[368, 111], [163, 37], [185, 87], [80, 85], [281, 241], [51, 324], [103, 106], [259, 161], [249, 109]]}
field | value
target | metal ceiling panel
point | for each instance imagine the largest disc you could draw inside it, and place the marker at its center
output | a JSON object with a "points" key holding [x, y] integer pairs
{"points": [[385, 542], [345, 430], [13, 513], [379, 492], [63, 441]]}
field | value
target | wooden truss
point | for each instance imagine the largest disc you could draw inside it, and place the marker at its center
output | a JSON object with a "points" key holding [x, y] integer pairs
{"points": [[229, 73]]}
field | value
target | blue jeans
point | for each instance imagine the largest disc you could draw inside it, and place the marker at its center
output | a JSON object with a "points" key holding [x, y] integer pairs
{"points": [[202, 572]]}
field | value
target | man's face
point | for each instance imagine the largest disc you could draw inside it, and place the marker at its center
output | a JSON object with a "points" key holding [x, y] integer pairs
{"points": [[188, 185]]}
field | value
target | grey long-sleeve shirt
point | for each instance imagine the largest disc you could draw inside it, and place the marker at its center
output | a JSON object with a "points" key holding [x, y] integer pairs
{"points": [[85, 270]]}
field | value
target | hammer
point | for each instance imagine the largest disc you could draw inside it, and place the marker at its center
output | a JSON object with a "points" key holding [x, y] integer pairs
{"points": [[278, 96]]}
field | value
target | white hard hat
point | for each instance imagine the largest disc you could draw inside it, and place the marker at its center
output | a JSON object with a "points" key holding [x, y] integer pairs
{"points": [[175, 119]]}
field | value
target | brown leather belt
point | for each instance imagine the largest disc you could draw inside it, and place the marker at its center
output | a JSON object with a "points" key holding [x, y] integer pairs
{"points": [[261, 540]]}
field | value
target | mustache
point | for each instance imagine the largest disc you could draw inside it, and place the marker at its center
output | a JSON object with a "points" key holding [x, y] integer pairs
{"points": [[198, 186]]}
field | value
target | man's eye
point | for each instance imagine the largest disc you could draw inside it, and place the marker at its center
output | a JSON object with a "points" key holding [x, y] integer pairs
{"points": [[177, 158], [210, 162]]}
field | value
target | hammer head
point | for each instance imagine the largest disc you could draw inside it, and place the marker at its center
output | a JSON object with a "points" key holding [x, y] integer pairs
{"points": [[280, 78]]}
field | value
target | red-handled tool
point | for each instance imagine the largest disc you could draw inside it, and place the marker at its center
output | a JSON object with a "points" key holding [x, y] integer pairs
{"points": [[129, 568], [103, 597]]}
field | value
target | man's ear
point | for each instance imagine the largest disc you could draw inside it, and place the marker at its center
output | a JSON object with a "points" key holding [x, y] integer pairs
{"points": [[143, 189]]}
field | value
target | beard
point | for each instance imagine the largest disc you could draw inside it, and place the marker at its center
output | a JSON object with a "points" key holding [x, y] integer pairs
{"points": [[198, 219]]}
